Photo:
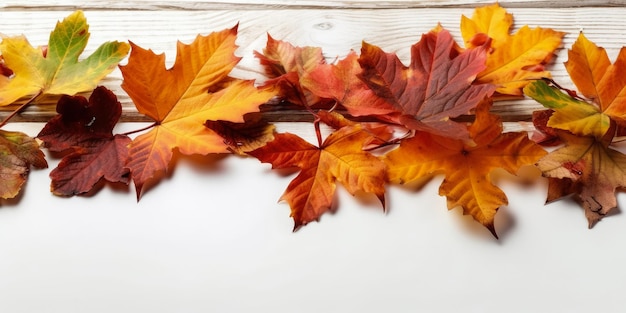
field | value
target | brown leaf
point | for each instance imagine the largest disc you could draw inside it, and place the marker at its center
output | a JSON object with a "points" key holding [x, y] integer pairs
{"points": [[18, 152]]}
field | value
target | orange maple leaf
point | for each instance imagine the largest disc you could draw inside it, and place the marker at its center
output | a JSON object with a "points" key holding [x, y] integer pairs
{"points": [[181, 99], [515, 59], [466, 167], [600, 82], [340, 158], [597, 79]]}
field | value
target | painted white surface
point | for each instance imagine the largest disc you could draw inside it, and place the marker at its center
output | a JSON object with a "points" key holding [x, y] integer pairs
{"points": [[212, 238]]}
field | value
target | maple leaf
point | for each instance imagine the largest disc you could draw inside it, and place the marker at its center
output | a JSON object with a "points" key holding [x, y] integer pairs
{"points": [[599, 81], [514, 60], [18, 152], [86, 129], [571, 114], [340, 158], [466, 167], [181, 99], [57, 71], [341, 82], [280, 58], [285, 65], [589, 168], [436, 86]]}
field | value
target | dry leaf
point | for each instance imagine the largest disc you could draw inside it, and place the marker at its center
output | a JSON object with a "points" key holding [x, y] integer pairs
{"points": [[340, 158], [181, 99], [466, 167], [514, 60], [58, 71]]}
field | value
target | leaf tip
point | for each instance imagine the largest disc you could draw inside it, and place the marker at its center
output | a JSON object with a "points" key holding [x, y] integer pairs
{"points": [[138, 190], [492, 229]]}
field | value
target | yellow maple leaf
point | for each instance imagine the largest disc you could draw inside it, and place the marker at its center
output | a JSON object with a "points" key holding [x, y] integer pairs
{"points": [[514, 59]]}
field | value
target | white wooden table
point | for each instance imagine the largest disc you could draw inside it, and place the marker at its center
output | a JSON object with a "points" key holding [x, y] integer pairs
{"points": [[212, 238]]}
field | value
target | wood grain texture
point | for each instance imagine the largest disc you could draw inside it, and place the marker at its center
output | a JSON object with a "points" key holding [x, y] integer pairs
{"points": [[331, 26], [293, 4]]}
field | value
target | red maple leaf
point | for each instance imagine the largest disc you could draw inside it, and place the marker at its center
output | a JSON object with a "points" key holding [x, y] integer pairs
{"points": [[435, 87], [85, 128]]}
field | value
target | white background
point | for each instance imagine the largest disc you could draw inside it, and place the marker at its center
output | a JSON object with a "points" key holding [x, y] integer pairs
{"points": [[212, 238]]}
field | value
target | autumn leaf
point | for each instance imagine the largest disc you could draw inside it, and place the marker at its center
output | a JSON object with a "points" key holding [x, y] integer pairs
{"points": [[18, 152], [85, 128], [466, 167], [58, 71], [79, 119], [597, 79], [181, 99], [589, 168], [600, 82], [340, 158], [571, 114], [285, 65], [341, 83], [514, 60], [93, 161], [435, 87]]}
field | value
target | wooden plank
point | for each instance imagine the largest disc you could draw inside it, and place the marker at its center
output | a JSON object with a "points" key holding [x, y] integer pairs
{"points": [[302, 4], [335, 30]]}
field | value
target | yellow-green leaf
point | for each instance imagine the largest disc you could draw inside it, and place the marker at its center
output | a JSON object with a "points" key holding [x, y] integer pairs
{"points": [[576, 116], [60, 71]]}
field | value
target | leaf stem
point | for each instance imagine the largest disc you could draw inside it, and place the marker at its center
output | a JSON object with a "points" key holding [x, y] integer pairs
{"points": [[318, 133], [394, 141], [140, 130], [20, 109], [571, 93]]}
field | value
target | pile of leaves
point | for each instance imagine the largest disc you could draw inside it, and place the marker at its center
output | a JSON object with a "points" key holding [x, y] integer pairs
{"points": [[392, 123]]}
